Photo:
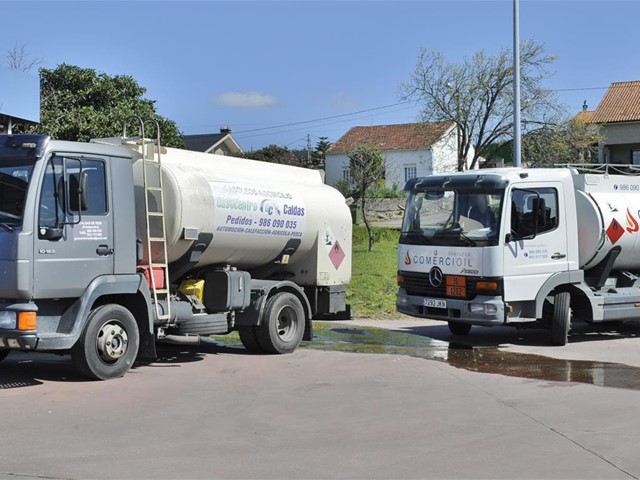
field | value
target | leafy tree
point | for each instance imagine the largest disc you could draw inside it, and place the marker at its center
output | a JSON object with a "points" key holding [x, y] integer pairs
{"points": [[80, 104], [367, 168], [478, 96], [570, 142], [318, 154], [275, 154]]}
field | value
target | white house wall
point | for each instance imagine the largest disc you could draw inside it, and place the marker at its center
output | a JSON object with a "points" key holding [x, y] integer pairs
{"points": [[335, 163], [395, 163], [440, 158], [445, 151]]}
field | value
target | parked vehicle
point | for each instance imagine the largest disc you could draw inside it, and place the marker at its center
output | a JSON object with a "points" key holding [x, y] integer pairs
{"points": [[523, 247], [111, 245]]}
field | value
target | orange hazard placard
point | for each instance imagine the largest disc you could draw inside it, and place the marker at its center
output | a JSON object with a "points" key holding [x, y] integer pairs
{"points": [[614, 231], [336, 254]]}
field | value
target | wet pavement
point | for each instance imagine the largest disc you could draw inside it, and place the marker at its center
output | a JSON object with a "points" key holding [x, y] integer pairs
{"points": [[481, 351], [367, 399]]}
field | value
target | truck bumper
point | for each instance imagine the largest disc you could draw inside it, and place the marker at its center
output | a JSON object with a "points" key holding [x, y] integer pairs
{"points": [[482, 310], [13, 339]]}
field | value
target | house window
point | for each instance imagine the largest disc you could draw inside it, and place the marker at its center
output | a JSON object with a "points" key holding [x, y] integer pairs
{"points": [[410, 171], [635, 157], [346, 176]]}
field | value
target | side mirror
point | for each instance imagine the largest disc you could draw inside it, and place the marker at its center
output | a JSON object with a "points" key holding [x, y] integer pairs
{"points": [[78, 192]]}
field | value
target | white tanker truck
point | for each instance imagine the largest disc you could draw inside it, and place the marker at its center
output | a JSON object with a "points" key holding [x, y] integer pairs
{"points": [[111, 245], [522, 247]]}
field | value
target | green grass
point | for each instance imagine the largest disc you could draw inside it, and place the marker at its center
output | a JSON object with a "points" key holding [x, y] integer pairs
{"points": [[372, 291]]}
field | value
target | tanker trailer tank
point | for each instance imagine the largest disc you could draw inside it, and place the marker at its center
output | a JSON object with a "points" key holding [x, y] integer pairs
{"points": [[249, 214], [600, 201]]}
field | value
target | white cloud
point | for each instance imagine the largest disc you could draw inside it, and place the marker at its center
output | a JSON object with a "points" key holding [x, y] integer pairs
{"points": [[245, 100], [342, 101]]}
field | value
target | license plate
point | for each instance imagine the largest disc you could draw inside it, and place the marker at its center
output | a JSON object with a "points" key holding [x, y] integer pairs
{"points": [[435, 303]]}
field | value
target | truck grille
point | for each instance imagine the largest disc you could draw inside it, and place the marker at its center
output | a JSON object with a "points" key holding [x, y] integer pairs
{"points": [[417, 283]]}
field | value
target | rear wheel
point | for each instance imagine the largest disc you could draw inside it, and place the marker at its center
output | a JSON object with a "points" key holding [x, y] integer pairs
{"points": [[282, 325], [561, 320], [108, 345], [459, 328]]}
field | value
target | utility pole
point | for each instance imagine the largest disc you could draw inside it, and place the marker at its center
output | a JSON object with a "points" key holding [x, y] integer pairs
{"points": [[308, 149], [516, 84]]}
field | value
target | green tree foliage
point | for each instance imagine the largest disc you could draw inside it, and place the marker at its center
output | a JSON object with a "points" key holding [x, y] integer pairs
{"points": [[318, 154], [477, 95], [570, 142], [367, 168], [80, 104], [275, 154]]}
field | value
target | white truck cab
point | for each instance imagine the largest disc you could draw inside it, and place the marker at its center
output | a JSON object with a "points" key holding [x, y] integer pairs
{"points": [[523, 247]]}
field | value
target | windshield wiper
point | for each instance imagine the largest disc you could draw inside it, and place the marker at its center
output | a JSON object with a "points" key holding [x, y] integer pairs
{"points": [[470, 241], [456, 231], [7, 227]]}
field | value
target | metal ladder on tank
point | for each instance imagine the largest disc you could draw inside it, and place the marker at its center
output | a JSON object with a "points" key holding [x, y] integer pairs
{"points": [[154, 218]]}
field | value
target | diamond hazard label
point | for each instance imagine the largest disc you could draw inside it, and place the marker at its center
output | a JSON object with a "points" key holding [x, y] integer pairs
{"points": [[614, 231], [336, 255]]}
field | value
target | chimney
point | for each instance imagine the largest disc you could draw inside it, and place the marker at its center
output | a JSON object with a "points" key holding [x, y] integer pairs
{"points": [[585, 106], [225, 130]]}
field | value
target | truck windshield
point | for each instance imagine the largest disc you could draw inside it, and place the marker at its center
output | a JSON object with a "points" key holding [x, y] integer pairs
{"points": [[15, 175], [452, 217]]}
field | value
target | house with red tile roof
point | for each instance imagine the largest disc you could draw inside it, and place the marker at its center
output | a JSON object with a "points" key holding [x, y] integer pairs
{"points": [[409, 150], [618, 116]]}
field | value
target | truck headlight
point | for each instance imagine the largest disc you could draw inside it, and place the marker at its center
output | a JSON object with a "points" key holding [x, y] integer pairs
{"points": [[483, 308], [8, 319]]}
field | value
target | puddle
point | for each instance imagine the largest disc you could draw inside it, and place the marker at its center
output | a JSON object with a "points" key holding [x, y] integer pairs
{"points": [[475, 359]]}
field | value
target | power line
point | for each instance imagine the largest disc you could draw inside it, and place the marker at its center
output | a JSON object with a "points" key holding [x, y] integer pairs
{"points": [[292, 124]]}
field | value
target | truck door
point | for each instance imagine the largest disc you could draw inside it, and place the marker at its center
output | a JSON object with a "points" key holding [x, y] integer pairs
{"points": [[74, 238], [538, 245]]}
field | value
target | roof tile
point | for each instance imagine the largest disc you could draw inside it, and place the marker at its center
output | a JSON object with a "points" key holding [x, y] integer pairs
{"points": [[406, 136], [621, 103]]}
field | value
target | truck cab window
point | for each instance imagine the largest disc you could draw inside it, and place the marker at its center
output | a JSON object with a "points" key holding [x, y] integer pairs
{"points": [[95, 185], [533, 211], [52, 195], [56, 193]]}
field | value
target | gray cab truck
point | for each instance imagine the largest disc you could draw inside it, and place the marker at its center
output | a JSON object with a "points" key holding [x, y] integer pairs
{"points": [[109, 246]]}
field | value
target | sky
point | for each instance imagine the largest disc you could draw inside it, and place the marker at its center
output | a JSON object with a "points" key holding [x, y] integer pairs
{"points": [[290, 72]]}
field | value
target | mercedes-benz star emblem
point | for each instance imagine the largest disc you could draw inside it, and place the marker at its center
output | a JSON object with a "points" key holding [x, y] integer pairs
{"points": [[435, 277]]}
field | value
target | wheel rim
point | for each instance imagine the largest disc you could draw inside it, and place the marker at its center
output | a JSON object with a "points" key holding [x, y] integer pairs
{"points": [[287, 324], [112, 342]]}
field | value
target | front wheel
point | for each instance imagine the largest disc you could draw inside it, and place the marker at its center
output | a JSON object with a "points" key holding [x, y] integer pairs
{"points": [[561, 320], [108, 345], [282, 325]]}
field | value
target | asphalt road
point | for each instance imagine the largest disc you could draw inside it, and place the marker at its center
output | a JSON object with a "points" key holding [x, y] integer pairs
{"points": [[216, 412]]}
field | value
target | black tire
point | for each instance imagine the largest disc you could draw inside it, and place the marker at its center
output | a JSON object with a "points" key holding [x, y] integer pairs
{"points": [[561, 320], [282, 325], [249, 338], [4, 353], [108, 345], [459, 328]]}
